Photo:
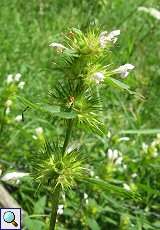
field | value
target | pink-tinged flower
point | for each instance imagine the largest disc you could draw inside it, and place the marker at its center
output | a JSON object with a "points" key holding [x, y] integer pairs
{"points": [[58, 47], [106, 37], [124, 70], [98, 77]]}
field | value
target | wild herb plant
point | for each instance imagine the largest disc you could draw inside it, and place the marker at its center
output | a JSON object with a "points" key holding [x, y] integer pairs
{"points": [[84, 68]]}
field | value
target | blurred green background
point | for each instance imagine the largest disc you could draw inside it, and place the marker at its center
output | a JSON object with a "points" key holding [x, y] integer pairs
{"points": [[132, 124]]}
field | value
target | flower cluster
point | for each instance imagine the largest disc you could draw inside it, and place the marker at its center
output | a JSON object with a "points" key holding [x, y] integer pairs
{"points": [[14, 79], [152, 150], [105, 37], [96, 46]]}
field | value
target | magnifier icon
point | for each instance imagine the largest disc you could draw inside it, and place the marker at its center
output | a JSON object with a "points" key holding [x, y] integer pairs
{"points": [[9, 217]]}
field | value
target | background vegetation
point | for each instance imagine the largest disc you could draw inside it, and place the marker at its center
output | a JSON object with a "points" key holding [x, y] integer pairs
{"points": [[26, 30]]}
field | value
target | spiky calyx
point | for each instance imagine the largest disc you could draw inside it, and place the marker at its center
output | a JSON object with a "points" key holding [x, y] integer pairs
{"points": [[53, 167]]}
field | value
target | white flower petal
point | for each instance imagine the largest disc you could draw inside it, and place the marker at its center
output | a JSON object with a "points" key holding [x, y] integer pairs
{"points": [[9, 79], [85, 196], [8, 103], [126, 187], [152, 11], [21, 85], [98, 77], [17, 77], [18, 118], [58, 47], [13, 176], [106, 37], [60, 209], [8, 110], [39, 131], [124, 70]]}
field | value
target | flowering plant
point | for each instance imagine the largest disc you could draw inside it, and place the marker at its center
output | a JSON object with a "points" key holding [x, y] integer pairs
{"points": [[84, 68]]}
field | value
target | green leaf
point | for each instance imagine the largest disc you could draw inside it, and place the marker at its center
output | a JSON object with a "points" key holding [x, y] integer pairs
{"points": [[33, 224], [118, 84], [93, 224], [68, 212], [141, 131], [66, 115], [112, 188], [55, 110], [40, 206]]}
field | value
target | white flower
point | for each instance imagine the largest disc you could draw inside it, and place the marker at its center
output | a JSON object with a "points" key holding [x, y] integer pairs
{"points": [[21, 85], [124, 139], [106, 37], [98, 77], [58, 47], [8, 103], [134, 175], [124, 70], [60, 209], [152, 11], [124, 166], [112, 154], [17, 77], [18, 118], [109, 134], [118, 161], [127, 187], [155, 154], [9, 79], [8, 110], [34, 137], [92, 173], [144, 147], [85, 196], [13, 176], [39, 131]]}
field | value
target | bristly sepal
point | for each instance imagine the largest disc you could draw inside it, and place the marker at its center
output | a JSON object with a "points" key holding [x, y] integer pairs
{"points": [[51, 166]]}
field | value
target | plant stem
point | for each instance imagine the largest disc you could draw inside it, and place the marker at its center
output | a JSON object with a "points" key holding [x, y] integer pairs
{"points": [[55, 200], [68, 134], [56, 193], [2, 121]]}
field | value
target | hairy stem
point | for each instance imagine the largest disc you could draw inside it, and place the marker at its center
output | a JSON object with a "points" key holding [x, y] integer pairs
{"points": [[55, 200], [68, 134], [56, 193]]}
